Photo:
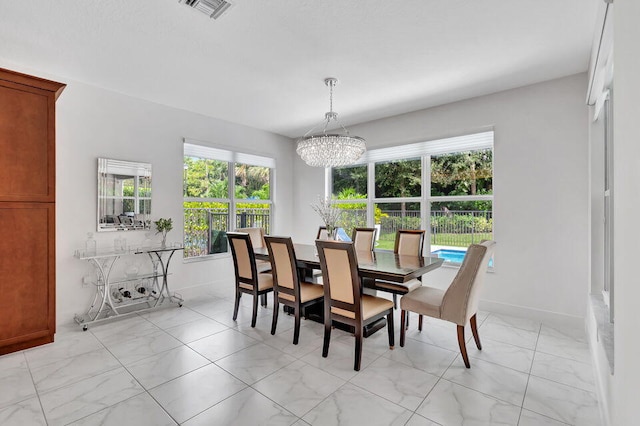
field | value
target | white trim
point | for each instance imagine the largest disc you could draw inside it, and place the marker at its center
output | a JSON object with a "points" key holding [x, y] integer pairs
{"points": [[202, 151], [470, 142]]}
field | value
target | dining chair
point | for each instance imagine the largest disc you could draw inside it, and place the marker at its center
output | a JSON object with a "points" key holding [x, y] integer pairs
{"points": [[344, 301], [409, 242], [257, 240], [248, 279], [459, 302], [288, 288], [363, 238], [322, 233]]}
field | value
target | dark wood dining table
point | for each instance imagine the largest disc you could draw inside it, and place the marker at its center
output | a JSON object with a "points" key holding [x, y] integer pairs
{"points": [[372, 265], [377, 264]]}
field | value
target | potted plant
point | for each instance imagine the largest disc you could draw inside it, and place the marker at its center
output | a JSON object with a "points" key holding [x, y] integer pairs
{"points": [[163, 226]]}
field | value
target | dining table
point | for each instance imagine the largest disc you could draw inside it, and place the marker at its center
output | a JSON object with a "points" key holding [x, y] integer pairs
{"points": [[372, 265]]}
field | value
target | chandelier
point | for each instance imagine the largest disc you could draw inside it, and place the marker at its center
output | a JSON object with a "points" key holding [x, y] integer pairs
{"points": [[330, 150]]}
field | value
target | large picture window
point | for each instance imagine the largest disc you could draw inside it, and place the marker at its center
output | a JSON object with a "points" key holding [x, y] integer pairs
{"points": [[443, 186], [223, 190]]}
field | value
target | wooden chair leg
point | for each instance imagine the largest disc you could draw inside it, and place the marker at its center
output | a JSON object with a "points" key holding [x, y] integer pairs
{"points": [[395, 301], [296, 328], [419, 322], [255, 311], [406, 325], [358, 355], [263, 300], [274, 321], [390, 330], [327, 337], [402, 329], [463, 346], [474, 330], [237, 305]]}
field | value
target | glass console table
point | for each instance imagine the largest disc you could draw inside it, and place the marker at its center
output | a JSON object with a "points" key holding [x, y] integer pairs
{"points": [[133, 292]]}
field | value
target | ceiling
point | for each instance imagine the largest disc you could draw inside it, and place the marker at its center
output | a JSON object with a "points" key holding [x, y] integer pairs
{"points": [[263, 63]]}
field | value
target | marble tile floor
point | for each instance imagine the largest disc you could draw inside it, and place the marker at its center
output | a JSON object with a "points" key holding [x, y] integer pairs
{"points": [[195, 366]]}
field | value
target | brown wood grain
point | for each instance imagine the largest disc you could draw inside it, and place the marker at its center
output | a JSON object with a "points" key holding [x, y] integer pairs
{"points": [[27, 210]]}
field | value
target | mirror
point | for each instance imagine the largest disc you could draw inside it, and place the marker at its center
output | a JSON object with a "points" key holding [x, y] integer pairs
{"points": [[124, 195]]}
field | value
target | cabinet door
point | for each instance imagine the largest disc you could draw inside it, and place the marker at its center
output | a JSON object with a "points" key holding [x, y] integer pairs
{"points": [[27, 275], [27, 143]]}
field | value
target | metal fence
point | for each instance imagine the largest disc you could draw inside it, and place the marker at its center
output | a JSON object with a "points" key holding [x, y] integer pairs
{"points": [[459, 228], [204, 229]]}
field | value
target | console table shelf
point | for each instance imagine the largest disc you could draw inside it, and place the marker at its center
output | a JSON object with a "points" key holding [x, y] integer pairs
{"points": [[115, 297]]}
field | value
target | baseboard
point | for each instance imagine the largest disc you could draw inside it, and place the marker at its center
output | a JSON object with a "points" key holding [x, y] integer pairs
{"points": [[532, 313]]}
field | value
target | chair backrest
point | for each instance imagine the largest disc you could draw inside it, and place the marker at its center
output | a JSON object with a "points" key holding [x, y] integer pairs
{"points": [[409, 242], [244, 261], [460, 301], [283, 267], [363, 238], [256, 234], [322, 233], [340, 279]]}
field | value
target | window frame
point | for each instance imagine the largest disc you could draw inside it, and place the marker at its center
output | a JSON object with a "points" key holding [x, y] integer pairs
{"points": [[425, 150], [232, 158]]}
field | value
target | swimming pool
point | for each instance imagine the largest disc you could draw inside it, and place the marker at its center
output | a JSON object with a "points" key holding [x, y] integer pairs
{"points": [[453, 256]]}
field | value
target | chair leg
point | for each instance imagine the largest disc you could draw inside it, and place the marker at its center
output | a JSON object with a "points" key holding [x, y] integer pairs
{"points": [[263, 300], [395, 301], [463, 346], [390, 330], [237, 305], [402, 329], [419, 322], [255, 311], [327, 337], [296, 328], [358, 355], [406, 325], [274, 321], [474, 330]]}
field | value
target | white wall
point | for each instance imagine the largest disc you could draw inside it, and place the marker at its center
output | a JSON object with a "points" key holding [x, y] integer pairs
{"points": [[93, 123], [626, 207], [540, 185]]}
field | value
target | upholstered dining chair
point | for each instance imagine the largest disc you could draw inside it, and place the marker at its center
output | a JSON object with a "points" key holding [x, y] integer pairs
{"points": [[248, 280], [343, 298], [257, 240], [459, 302], [363, 238], [322, 233], [409, 242], [288, 288]]}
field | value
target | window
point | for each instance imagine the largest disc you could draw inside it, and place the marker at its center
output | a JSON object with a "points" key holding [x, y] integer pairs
{"points": [[444, 186], [223, 190]]}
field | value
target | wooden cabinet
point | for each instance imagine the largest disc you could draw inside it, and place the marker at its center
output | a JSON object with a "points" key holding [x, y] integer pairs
{"points": [[27, 210]]}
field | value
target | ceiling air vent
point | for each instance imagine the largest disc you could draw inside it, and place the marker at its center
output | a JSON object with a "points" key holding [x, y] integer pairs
{"points": [[212, 8]]}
